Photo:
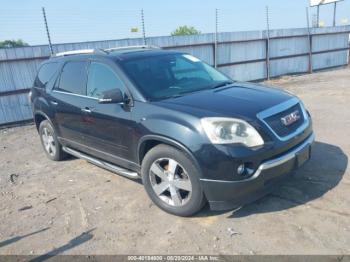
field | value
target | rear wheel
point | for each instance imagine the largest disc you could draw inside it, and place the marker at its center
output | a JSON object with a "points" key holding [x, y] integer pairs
{"points": [[50, 143], [172, 181]]}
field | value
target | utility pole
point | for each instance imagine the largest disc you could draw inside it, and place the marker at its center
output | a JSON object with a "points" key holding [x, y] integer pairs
{"points": [[267, 44], [335, 14], [47, 31], [216, 39], [143, 27]]}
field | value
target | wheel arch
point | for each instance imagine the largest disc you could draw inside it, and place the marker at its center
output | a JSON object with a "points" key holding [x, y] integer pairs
{"points": [[39, 117], [148, 142]]}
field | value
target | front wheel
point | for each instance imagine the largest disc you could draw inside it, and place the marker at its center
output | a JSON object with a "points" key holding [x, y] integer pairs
{"points": [[172, 181], [50, 143]]}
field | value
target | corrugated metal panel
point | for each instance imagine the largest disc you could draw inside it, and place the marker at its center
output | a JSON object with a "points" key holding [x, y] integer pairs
{"points": [[330, 30], [240, 36], [18, 74], [245, 72], [14, 108], [289, 46], [6, 78], [237, 52], [289, 66], [327, 60], [327, 42], [181, 40]]}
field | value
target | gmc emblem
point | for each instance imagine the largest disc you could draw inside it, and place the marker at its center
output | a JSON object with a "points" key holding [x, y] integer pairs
{"points": [[291, 118]]}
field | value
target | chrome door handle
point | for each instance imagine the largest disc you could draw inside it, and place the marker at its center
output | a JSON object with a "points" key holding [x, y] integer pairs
{"points": [[54, 103], [86, 110]]}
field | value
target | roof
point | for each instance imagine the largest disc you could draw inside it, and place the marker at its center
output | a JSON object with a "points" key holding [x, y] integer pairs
{"points": [[118, 53], [135, 54]]}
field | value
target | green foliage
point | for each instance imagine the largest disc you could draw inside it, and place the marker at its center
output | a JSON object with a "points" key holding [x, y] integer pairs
{"points": [[185, 30], [13, 43]]}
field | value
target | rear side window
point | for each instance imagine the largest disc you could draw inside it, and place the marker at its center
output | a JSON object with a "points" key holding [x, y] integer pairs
{"points": [[101, 79], [45, 74], [73, 78]]}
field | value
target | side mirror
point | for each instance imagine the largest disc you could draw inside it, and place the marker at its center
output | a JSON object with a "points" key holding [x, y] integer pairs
{"points": [[113, 96]]}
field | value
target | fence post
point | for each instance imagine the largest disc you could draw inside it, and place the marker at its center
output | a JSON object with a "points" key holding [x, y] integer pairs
{"points": [[216, 39], [47, 30], [143, 27], [267, 44], [335, 14], [310, 39], [349, 54]]}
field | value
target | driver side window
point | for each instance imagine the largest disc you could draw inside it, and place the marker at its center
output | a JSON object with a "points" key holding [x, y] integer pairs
{"points": [[101, 79]]}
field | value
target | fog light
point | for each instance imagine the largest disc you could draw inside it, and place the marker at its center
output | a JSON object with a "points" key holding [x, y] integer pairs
{"points": [[241, 169]]}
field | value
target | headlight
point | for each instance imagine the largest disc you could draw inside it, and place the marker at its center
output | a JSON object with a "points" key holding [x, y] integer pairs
{"points": [[222, 130]]}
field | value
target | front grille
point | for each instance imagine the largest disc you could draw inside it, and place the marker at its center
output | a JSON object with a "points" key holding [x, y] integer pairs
{"points": [[276, 124]]}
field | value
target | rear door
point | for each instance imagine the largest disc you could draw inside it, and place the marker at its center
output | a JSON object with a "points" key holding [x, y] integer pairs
{"points": [[43, 83], [70, 101], [111, 127]]}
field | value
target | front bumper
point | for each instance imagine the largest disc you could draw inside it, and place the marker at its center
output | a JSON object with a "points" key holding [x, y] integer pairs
{"points": [[230, 194]]}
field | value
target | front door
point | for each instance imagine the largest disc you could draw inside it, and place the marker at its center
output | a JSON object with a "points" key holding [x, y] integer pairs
{"points": [[111, 127]]}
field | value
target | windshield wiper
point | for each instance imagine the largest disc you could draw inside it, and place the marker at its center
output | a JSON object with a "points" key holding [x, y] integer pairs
{"points": [[172, 96], [180, 94], [221, 84]]}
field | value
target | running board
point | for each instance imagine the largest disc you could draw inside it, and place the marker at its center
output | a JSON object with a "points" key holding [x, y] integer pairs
{"points": [[103, 164]]}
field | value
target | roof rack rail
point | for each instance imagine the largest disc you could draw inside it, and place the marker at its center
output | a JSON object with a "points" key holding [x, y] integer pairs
{"points": [[132, 47], [80, 52]]}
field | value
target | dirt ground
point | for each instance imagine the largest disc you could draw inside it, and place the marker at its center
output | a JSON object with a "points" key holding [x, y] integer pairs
{"points": [[73, 207]]}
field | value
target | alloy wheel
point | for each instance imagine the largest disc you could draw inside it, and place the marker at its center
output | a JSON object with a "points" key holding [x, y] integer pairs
{"points": [[48, 141], [170, 182]]}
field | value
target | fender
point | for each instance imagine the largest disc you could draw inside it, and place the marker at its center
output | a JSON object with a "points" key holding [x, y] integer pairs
{"points": [[41, 113], [168, 141]]}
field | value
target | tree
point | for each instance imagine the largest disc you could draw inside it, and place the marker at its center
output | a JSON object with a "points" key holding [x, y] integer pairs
{"points": [[185, 30], [13, 43]]}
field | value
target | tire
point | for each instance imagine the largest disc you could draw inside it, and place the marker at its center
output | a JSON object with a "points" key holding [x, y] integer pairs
{"points": [[171, 180], [49, 141]]}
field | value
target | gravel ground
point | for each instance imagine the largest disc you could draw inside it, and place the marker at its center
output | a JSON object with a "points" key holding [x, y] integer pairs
{"points": [[73, 207]]}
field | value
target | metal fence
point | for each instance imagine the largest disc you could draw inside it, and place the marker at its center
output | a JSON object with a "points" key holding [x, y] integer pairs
{"points": [[245, 56]]}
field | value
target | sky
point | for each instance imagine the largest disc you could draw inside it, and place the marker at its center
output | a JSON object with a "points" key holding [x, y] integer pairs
{"points": [[90, 20]]}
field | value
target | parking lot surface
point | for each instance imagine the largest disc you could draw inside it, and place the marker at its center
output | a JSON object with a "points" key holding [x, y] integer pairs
{"points": [[73, 207]]}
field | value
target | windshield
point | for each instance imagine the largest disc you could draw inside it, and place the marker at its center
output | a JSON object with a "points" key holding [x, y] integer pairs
{"points": [[172, 75]]}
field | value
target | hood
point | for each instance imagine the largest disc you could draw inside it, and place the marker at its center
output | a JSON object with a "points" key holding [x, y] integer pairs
{"points": [[242, 100]]}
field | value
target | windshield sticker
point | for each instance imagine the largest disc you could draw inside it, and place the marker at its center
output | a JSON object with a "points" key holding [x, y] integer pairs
{"points": [[192, 58]]}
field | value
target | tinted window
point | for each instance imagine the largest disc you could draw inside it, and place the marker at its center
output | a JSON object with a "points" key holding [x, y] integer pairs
{"points": [[184, 68], [46, 72], [163, 76], [101, 79], [73, 78]]}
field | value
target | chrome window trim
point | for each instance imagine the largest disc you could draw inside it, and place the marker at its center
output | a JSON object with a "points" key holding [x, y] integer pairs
{"points": [[282, 107], [67, 93]]}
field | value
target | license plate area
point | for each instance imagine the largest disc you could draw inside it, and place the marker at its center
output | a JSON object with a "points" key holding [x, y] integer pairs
{"points": [[303, 155]]}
